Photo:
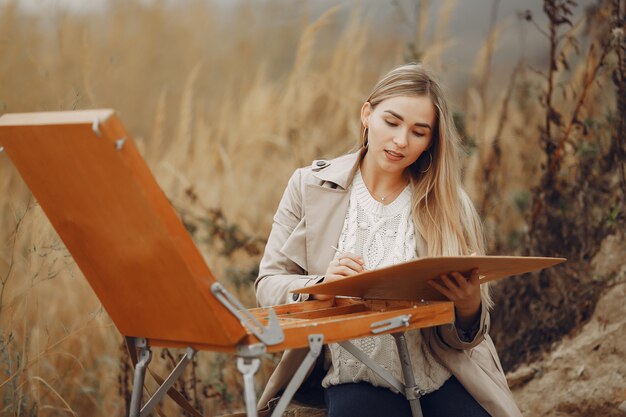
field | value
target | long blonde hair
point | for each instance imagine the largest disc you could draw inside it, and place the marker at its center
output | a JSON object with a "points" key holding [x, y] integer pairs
{"points": [[442, 211]]}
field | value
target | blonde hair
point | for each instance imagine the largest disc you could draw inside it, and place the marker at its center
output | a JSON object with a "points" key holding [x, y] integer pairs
{"points": [[442, 211]]}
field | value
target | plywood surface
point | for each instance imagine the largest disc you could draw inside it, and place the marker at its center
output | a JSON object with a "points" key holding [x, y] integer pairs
{"points": [[118, 225], [408, 281]]}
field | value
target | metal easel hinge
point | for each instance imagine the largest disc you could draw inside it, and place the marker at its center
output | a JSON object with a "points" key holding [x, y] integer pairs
{"points": [[390, 324], [270, 335]]}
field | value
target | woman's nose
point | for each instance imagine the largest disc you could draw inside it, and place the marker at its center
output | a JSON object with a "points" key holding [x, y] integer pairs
{"points": [[401, 140]]}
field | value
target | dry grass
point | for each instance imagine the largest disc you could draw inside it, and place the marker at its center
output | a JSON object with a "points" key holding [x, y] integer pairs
{"points": [[223, 117]]}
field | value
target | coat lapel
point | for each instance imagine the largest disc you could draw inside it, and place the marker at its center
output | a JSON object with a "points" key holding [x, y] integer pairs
{"points": [[326, 211], [326, 203]]}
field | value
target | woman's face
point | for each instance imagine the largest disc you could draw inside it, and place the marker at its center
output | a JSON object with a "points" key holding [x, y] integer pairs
{"points": [[399, 130]]}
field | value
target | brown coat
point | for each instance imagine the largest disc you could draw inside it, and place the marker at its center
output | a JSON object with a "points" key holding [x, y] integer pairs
{"points": [[307, 223]]}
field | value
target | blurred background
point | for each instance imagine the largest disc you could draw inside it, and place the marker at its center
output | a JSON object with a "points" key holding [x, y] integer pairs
{"points": [[226, 98]]}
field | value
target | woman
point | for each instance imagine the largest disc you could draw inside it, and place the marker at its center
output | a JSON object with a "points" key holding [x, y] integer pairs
{"points": [[398, 198]]}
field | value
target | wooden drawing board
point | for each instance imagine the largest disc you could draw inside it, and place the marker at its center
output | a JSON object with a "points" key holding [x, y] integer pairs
{"points": [[408, 281], [118, 225]]}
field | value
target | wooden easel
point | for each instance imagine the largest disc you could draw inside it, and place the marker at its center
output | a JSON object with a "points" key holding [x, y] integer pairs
{"points": [[106, 206]]}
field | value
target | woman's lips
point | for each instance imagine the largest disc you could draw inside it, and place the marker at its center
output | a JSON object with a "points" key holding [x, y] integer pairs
{"points": [[394, 156]]}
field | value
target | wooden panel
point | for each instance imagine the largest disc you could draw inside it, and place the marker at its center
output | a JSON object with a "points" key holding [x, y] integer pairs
{"points": [[408, 280], [119, 226], [356, 325], [342, 327]]}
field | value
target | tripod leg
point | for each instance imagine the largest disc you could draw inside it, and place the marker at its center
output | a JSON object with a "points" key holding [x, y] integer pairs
{"points": [[144, 355], [248, 362], [412, 391], [248, 367], [316, 341]]}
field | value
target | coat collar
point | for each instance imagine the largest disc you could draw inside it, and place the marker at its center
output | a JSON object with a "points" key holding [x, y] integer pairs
{"points": [[340, 170]]}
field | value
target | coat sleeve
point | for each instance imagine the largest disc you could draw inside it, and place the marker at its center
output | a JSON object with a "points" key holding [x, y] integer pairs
{"points": [[449, 333], [278, 274]]}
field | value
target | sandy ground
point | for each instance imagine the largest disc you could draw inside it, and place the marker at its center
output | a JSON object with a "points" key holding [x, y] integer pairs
{"points": [[585, 374]]}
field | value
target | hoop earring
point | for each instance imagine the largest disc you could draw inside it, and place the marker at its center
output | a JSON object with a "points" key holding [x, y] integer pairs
{"points": [[365, 138], [429, 164]]}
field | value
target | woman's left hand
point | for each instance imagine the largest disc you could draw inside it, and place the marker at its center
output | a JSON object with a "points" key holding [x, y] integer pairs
{"points": [[464, 291]]}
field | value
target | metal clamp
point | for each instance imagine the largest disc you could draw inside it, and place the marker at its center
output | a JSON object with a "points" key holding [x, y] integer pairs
{"points": [[270, 335], [119, 144], [96, 127], [390, 324]]}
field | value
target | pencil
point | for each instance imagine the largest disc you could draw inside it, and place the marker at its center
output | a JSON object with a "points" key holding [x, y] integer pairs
{"points": [[337, 249]]}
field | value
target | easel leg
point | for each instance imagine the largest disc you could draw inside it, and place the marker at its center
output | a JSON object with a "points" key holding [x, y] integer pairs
{"points": [[412, 391], [316, 341], [168, 382], [144, 356], [248, 363], [248, 367]]}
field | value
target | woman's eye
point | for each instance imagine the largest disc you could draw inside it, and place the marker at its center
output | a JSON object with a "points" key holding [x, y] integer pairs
{"points": [[391, 123], [419, 134]]}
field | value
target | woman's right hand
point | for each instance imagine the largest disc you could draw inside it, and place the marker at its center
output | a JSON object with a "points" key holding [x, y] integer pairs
{"points": [[345, 265]]}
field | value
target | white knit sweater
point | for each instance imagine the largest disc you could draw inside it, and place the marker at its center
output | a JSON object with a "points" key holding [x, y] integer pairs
{"points": [[383, 236]]}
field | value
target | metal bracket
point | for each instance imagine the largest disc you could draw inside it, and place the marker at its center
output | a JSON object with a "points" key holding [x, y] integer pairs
{"points": [[390, 324], [96, 127], [270, 335], [119, 144]]}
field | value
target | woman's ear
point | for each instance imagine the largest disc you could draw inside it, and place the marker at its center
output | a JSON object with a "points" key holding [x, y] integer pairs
{"points": [[366, 111]]}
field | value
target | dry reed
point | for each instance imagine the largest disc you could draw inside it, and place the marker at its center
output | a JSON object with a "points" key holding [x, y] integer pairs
{"points": [[222, 117]]}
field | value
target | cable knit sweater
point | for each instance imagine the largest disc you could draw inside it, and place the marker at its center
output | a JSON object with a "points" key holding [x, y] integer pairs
{"points": [[383, 235]]}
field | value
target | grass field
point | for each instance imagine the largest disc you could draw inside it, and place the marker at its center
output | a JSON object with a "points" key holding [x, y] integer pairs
{"points": [[223, 106]]}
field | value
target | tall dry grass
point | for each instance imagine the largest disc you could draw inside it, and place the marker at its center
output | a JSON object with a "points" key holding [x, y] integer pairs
{"points": [[223, 106]]}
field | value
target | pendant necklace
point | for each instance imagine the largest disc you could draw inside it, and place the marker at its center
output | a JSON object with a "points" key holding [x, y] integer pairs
{"points": [[383, 198]]}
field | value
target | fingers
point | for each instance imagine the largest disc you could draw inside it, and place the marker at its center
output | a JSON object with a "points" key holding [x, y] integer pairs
{"points": [[349, 260], [442, 289], [456, 286], [351, 263], [345, 265], [351, 256]]}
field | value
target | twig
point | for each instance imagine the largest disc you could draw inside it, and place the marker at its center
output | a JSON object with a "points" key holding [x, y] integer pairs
{"points": [[589, 79], [18, 223], [59, 396]]}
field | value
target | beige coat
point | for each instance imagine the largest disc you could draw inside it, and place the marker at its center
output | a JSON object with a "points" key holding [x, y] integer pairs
{"points": [[307, 223]]}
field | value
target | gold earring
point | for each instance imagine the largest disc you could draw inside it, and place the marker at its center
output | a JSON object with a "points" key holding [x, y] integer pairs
{"points": [[364, 139], [429, 164]]}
